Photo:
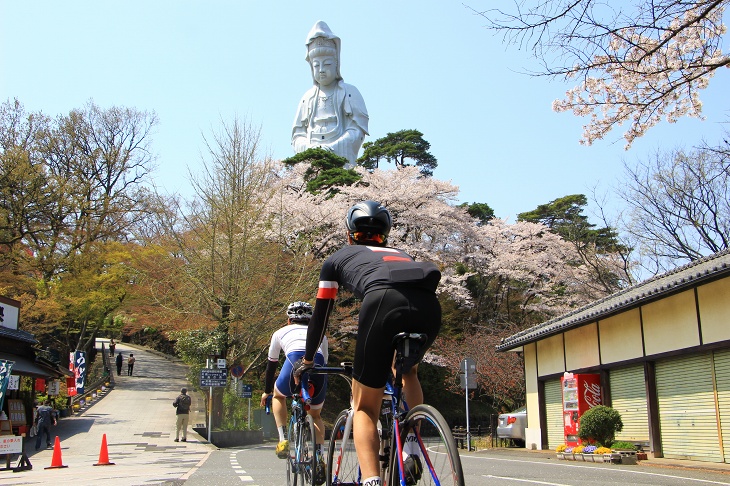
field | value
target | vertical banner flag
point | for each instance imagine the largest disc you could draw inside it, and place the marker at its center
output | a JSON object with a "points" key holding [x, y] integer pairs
{"points": [[79, 360], [5, 368], [40, 385], [71, 386]]}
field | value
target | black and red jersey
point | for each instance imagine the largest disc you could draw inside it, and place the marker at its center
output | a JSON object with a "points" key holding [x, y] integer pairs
{"points": [[361, 269]]}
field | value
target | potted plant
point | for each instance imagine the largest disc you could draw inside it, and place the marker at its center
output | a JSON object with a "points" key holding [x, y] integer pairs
{"points": [[560, 450]]}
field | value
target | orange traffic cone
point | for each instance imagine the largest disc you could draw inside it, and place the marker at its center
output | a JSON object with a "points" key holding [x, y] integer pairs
{"points": [[103, 454], [56, 461]]}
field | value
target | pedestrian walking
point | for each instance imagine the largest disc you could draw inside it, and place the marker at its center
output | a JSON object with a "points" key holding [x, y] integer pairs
{"points": [[112, 347], [182, 404], [130, 364], [44, 419], [120, 360]]}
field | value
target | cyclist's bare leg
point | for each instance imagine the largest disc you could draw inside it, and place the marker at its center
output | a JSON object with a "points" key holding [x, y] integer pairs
{"points": [[318, 424], [278, 406], [366, 402], [412, 391]]}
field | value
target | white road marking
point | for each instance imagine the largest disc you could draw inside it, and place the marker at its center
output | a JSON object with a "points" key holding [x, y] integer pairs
{"points": [[524, 480]]}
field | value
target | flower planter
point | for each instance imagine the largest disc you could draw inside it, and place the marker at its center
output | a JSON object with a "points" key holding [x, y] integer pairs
{"points": [[613, 458], [627, 457], [561, 455]]}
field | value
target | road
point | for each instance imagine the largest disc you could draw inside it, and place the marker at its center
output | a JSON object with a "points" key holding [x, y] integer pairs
{"points": [[137, 418], [258, 466]]}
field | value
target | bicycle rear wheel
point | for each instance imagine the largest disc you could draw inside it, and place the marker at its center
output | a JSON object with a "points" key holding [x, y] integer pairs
{"points": [[437, 451], [307, 453], [342, 466], [293, 438]]}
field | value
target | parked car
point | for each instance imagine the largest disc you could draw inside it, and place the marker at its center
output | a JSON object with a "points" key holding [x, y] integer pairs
{"points": [[512, 426]]}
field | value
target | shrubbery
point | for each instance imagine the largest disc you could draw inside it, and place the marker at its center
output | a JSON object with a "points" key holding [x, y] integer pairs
{"points": [[600, 424]]}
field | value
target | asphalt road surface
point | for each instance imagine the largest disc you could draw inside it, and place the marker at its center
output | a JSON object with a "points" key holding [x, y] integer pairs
{"points": [[258, 466]]}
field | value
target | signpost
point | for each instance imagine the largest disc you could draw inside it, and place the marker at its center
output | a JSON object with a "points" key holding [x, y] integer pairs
{"points": [[247, 392], [468, 369], [212, 377]]}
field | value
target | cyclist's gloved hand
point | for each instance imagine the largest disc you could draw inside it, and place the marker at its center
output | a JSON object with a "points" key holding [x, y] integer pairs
{"points": [[300, 367]]}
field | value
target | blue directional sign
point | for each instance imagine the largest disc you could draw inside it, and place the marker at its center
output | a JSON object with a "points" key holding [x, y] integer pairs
{"points": [[213, 377], [245, 390]]}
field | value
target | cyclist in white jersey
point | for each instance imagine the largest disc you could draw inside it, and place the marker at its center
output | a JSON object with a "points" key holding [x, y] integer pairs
{"points": [[292, 340]]}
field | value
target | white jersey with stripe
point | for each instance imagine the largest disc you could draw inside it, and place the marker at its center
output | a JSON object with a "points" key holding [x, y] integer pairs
{"points": [[293, 337]]}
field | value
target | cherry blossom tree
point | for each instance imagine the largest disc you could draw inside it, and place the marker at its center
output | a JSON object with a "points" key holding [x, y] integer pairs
{"points": [[635, 62], [504, 277]]}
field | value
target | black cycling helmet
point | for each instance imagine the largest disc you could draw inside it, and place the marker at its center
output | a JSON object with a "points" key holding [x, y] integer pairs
{"points": [[299, 311], [368, 222]]}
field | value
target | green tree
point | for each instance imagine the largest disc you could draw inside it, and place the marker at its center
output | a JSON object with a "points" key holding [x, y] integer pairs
{"points": [[399, 148], [75, 185], [482, 212], [325, 172]]}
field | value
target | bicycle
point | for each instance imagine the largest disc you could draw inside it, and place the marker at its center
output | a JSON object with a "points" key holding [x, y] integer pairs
{"points": [[436, 448], [302, 461]]}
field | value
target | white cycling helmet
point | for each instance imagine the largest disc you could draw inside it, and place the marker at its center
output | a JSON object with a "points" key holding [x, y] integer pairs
{"points": [[299, 311]]}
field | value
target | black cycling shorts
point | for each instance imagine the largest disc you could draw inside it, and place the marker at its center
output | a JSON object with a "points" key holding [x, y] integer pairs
{"points": [[385, 313]]}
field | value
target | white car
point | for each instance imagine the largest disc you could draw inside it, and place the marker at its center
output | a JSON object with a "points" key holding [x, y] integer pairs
{"points": [[512, 426]]}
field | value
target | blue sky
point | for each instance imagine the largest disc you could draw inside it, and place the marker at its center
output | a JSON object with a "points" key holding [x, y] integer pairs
{"points": [[429, 65]]}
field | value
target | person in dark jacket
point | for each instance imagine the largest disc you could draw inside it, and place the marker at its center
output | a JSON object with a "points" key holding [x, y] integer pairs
{"points": [[182, 404], [120, 360], [44, 419]]}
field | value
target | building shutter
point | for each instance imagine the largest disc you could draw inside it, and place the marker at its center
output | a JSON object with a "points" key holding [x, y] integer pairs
{"points": [[628, 397], [554, 412], [722, 377], [687, 415]]}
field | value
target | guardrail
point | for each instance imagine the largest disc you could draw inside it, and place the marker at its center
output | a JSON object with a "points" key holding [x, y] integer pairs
{"points": [[82, 400]]}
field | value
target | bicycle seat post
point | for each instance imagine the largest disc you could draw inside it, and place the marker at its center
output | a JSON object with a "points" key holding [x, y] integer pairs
{"points": [[407, 352]]}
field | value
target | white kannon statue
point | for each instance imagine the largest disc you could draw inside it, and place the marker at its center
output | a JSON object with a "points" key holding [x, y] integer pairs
{"points": [[332, 113]]}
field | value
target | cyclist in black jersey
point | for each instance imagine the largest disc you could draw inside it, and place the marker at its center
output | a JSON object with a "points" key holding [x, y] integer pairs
{"points": [[398, 295]]}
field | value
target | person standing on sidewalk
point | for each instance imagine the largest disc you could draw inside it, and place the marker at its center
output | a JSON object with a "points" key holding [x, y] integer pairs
{"points": [[120, 360], [182, 404], [130, 364], [112, 346]]}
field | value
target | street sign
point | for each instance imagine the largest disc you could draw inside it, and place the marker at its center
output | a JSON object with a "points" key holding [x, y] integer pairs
{"points": [[213, 377], [468, 364], [468, 376], [245, 391], [221, 363], [472, 384], [237, 371]]}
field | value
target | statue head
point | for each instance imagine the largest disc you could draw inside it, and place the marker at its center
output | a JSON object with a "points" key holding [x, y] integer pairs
{"points": [[322, 42]]}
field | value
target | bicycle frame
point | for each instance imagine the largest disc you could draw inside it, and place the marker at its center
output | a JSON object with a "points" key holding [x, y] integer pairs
{"points": [[391, 448]]}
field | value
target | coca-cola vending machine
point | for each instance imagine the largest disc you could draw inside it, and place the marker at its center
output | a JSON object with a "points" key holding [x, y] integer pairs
{"points": [[580, 392]]}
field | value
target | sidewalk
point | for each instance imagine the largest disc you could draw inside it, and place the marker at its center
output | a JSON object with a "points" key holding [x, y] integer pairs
{"points": [[138, 419]]}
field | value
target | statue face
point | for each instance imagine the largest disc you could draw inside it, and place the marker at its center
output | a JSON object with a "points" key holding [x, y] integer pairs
{"points": [[324, 69]]}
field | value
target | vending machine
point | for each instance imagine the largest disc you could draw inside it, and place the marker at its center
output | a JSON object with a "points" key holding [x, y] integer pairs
{"points": [[580, 392]]}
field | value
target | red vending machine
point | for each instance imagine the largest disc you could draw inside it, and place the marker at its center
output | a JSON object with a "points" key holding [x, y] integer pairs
{"points": [[580, 392]]}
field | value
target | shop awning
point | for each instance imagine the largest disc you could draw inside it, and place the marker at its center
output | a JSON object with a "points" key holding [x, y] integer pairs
{"points": [[26, 367]]}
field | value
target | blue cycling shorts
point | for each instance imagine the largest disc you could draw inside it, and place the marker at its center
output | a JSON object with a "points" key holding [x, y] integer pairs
{"points": [[285, 382]]}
